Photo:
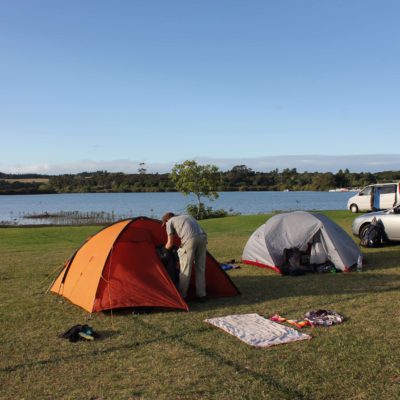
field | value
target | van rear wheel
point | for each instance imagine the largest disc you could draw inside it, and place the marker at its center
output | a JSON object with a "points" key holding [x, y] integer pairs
{"points": [[354, 208]]}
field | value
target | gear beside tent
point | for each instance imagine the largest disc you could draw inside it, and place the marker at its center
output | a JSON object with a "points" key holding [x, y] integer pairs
{"points": [[119, 267], [307, 234]]}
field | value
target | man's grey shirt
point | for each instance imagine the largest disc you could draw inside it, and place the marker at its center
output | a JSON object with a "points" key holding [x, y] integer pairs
{"points": [[185, 226]]}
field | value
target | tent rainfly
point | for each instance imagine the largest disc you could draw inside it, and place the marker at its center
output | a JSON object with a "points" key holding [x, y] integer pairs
{"points": [[119, 267], [323, 239]]}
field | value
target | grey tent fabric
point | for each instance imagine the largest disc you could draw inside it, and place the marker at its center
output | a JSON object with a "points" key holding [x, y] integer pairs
{"points": [[306, 232]]}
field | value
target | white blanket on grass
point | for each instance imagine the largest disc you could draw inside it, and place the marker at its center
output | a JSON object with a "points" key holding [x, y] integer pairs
{"points": [[256, 330]]}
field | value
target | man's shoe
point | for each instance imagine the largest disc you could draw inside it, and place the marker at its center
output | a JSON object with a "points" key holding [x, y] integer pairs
{"points": [[86, 336], [202, 299]]}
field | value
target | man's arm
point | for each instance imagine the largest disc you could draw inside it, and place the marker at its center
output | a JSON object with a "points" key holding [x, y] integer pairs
{"points": [[170, 242]]}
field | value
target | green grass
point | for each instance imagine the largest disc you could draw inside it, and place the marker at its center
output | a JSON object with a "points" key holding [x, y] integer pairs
{"points": [[175, 355]]}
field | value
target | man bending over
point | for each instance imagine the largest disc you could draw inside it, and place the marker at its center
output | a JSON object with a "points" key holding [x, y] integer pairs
{"points": [[193, 248]]}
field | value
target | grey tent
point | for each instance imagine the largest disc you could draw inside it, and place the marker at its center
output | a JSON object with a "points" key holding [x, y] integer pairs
{"points": [[315, 234]]}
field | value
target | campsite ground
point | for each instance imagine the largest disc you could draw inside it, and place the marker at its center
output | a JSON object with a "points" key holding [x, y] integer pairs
{"points": [[175, 355]]}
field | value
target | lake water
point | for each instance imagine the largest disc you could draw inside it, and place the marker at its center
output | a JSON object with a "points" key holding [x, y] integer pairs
{"points": [[13, 209]]}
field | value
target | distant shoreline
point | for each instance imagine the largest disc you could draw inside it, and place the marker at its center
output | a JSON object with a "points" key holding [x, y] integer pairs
{"points": [[239, 179]]}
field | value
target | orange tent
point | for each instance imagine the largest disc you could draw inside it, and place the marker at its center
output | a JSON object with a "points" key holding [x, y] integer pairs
{"points": [[119, 267]]}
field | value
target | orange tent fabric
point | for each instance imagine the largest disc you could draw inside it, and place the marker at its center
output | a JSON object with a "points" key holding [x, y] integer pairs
{"points": [[119, 267]]}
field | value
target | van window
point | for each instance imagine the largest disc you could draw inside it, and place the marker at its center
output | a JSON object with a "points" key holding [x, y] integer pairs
{"points": [[388, 189], [366, 191]]}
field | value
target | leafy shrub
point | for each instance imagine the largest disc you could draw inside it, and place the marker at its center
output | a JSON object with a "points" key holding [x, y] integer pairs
{"points": [[205, 212]]}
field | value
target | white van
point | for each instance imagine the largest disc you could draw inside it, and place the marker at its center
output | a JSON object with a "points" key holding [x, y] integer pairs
{"points": [[375, 197]]}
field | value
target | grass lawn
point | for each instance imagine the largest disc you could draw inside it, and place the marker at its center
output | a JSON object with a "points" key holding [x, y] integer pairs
{"points": [[175, 355]]}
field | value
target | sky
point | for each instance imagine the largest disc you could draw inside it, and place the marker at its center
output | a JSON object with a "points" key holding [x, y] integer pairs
{"points": [[96, 84]]}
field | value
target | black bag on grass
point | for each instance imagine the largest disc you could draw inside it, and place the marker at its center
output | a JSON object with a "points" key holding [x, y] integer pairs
{"points": [[78, 332], [374, 235]]}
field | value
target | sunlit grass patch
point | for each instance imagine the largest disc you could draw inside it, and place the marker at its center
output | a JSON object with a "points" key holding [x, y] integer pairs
{"points": [[175, 355]]}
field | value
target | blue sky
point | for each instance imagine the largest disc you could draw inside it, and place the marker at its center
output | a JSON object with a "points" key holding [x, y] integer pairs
{"points": [[96, 84]]}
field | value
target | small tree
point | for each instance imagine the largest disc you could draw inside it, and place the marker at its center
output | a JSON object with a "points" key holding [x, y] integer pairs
{"points": [[201, 180], [142, 168]]}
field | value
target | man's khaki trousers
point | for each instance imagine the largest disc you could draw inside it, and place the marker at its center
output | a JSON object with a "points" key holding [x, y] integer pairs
{"points": [[193, 250]]}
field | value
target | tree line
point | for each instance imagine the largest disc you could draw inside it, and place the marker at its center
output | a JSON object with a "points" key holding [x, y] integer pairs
{"points": [[239, 178]]}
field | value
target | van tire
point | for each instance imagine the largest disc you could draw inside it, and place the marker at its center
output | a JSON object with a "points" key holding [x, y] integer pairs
{"points": [[354, 208]]}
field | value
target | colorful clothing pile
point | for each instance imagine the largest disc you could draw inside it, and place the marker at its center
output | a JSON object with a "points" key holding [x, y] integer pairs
{"points": [[296, 323], [312, 318], [324, 317]]}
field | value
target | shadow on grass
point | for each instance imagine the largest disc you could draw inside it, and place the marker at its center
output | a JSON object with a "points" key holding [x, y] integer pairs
{"points": [[183, 338], [287, 392], [381, 258], [103, 335], [97, 352], [260, 288]]}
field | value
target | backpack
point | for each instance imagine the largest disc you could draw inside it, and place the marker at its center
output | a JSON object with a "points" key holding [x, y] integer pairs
{"points": [[373, 236], [170, 260]]}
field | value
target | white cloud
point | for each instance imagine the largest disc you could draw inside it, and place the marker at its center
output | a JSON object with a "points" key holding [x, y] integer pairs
{"points": [[311, 163]]}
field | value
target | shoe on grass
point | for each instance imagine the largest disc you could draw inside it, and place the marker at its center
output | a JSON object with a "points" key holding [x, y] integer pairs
{"points": [[86, 336]]}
